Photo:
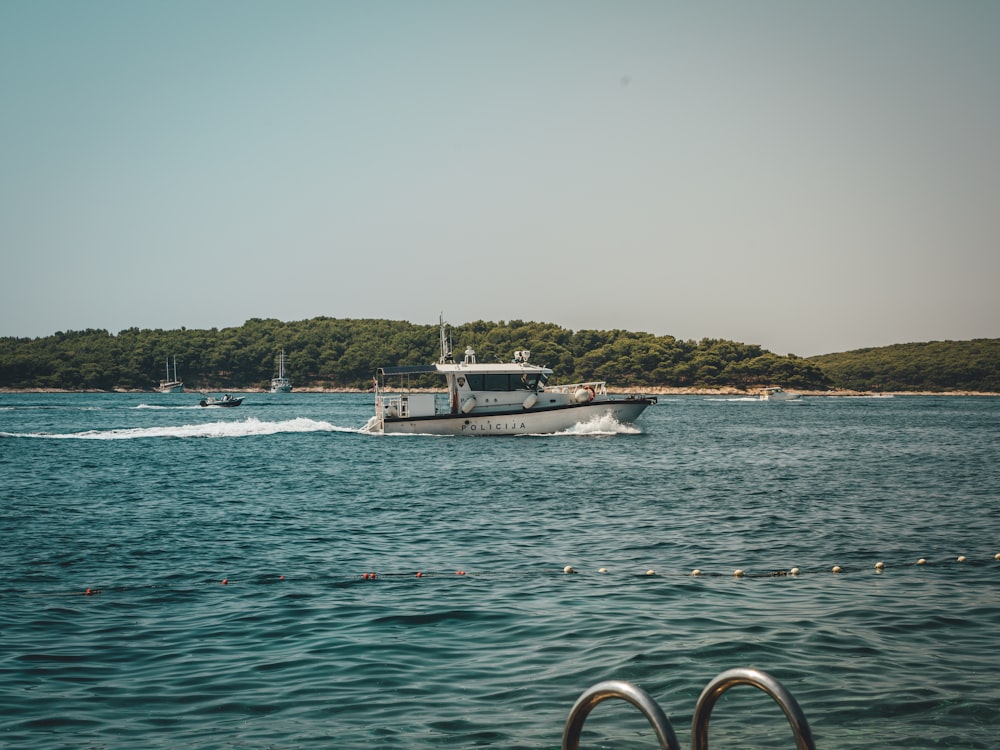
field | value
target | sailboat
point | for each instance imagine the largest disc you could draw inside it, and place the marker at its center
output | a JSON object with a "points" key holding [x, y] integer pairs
{"points": [[281, 383], [171, 385]]}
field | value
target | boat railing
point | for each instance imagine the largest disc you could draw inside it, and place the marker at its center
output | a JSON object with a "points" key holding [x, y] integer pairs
{"points": [[600, 387], [397, 403], [391, 403], [703, 709]]}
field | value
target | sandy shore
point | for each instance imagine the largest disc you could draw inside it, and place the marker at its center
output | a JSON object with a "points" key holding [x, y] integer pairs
{"points": [[652, 390]]}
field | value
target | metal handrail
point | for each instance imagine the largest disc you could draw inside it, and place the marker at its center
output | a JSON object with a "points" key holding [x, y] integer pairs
{"points": [[741, 676], [703, 710], [600, 387], [628, 692]]}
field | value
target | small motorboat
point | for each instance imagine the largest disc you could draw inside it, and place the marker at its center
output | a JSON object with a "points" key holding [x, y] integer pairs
{"points": [[226, 400], [778, 394]]}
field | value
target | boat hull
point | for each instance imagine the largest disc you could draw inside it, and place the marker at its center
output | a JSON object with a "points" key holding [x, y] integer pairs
{"points": [[522, 422], [224, 404]]}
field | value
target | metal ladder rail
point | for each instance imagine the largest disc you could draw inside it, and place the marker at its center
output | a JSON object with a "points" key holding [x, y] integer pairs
{"points": [[628, 692], [703, 709], [742, 676]]}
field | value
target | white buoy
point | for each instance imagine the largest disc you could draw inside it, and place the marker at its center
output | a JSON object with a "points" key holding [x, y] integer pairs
{"points": [[794, 571], [568, 569], [837, 569], [696, 572], [922, 561], [961, 558], [738, 573], [651, 572], [880, 566], [603, 570], [996, 556]]}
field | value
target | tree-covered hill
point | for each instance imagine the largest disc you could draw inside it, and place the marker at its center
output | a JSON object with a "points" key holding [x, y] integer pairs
{"points": [[932, 366], [343, 353], [331, 352]]}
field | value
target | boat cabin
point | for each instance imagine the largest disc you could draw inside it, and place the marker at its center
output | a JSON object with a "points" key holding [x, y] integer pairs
{"points": [[467, 385]]}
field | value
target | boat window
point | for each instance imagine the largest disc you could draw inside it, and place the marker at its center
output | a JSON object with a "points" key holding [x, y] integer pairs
{"points": [[506, 382], [497, 383], [530, 381]]}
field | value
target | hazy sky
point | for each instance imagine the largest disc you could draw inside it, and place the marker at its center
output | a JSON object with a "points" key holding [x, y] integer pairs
{"points": [[808, 176]]}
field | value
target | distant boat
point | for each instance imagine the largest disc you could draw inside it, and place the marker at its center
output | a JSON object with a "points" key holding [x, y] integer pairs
{"points": [[281, 383], [778, 394], [171, 385], [226, 400]]}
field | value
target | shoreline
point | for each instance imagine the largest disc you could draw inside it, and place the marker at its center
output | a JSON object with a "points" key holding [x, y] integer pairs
{"points": [[652, 390]]}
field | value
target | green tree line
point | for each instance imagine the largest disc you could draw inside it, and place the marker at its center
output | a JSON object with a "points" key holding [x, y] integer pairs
{"points": [[930, 366], [343, 353]]}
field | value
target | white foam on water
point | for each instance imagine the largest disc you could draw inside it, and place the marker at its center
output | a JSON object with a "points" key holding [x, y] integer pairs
{"points": [[604, 424], [158, 406], [244, 428]]}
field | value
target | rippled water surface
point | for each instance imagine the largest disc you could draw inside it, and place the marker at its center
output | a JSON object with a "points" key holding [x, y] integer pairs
{"points": [[227, 555]]}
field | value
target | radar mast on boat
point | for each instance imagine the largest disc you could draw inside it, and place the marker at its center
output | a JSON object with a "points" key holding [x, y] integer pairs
{"points": [[445, 341]]}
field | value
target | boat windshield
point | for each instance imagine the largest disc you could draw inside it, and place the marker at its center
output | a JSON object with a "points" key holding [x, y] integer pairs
{"points": [[528, 381]]}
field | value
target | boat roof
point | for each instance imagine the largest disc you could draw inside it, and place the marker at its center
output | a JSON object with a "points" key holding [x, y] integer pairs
{"points": [[477, 367], [407, 369]]}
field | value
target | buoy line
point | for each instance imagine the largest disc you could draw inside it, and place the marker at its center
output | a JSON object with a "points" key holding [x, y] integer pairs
{"points": [[879, 568]]}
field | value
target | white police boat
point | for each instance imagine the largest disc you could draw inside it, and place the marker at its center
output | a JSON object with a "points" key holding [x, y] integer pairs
{"points": [[509, 398]]}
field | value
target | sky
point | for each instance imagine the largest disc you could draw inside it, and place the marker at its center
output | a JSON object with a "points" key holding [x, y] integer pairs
{"points": [[809, 176]]}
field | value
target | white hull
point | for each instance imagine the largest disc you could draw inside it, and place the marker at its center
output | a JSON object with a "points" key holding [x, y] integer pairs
{"points": [[777, 394], [525, 422]]}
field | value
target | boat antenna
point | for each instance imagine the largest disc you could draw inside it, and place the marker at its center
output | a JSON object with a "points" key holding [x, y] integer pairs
{"points": [[445, 340]]}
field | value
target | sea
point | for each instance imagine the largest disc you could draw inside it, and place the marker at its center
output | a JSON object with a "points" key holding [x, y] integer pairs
{"points": [[272, 576]]}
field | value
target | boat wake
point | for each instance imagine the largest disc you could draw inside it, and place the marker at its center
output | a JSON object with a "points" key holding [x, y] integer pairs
{"points": [[166, 408], [245, 428], [602, 425]]}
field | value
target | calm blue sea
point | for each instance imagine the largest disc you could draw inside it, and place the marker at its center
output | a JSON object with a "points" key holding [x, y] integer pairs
{"points": [[227, 554]]}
